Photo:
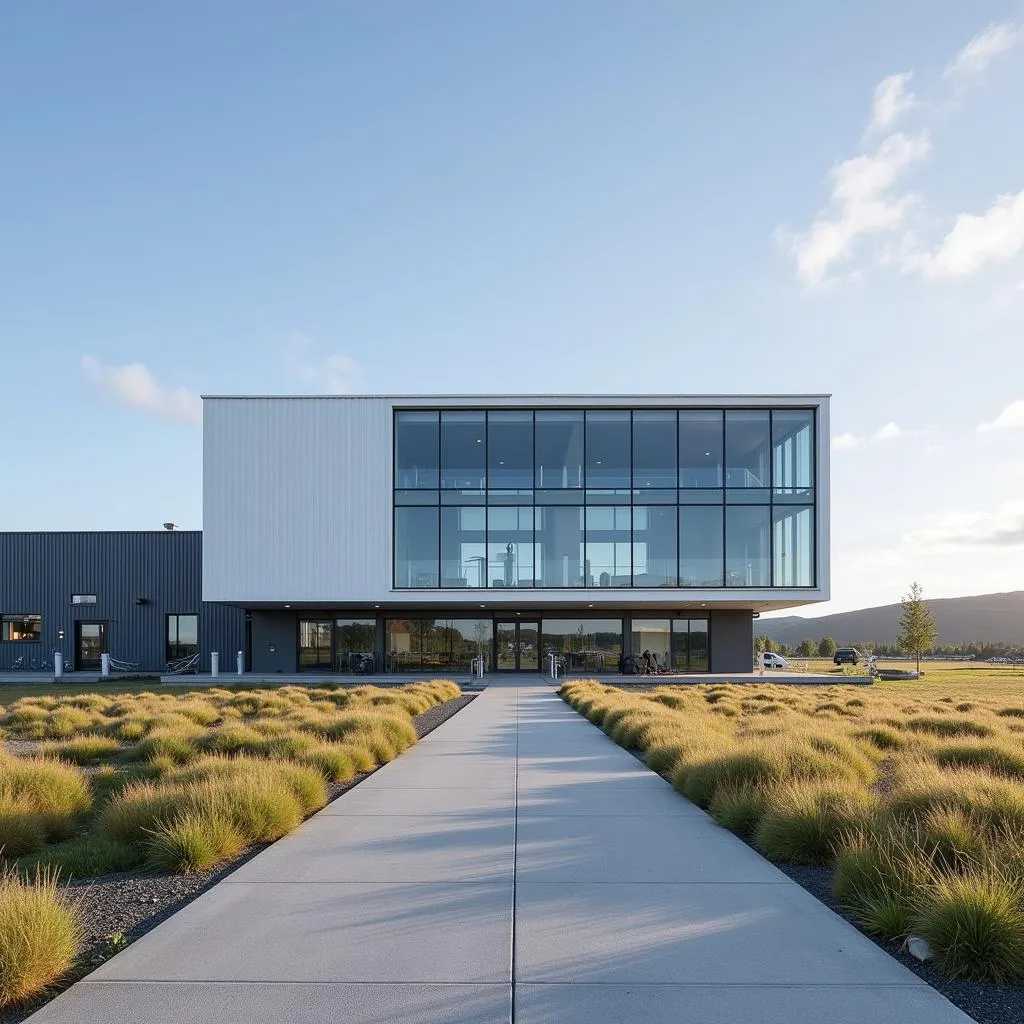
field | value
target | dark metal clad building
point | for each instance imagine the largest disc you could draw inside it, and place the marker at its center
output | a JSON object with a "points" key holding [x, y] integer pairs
{"points": [[135, 595]]}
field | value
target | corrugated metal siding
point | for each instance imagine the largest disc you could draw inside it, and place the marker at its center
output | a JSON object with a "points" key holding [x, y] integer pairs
{"points": [[297, 500], [40, 571]]}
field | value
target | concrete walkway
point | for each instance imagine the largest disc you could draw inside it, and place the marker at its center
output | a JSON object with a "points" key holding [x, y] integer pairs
{"points": [[515, 865]]}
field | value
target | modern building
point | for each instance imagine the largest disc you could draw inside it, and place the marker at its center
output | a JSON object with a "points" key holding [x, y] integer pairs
{"points": [[134, 595], [417, 533]]}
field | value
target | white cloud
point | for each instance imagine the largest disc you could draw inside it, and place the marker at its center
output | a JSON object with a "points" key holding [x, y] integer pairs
{"points": [[845, 442], [1011, 418], [889, 432], [862, 204], [999, 528], [133, 384], [976, 56], [329, 373], [892, 100], [975, 240]]}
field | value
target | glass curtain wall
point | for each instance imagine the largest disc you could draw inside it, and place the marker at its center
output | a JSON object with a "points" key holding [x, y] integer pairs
{"points": [[574, 498], [353, 645]]}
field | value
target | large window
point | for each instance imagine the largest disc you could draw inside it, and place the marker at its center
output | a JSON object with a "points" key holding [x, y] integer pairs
{"points": [[510, 561], [608, 449], [609, 560], [416, 546], [21, 628], [463, 450], [435, 645], [464, 546], [182, 636], [315, 644], [579, 498], [559, 441], [510, 450], [417, 449], [353, 645], [582, 645], [560, 546]]}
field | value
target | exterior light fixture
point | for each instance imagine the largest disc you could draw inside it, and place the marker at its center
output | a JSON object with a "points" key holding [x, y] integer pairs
{"points": [[287, 606], [708, 454]]}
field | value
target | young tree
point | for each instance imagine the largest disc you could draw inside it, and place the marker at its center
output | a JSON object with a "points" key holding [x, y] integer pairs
{"points": [[763, 644], [918, 631], [826, 647], [807, 649]]}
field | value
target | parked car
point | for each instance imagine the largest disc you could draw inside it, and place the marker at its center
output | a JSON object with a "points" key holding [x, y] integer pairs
{"points": [[772, 660], [846, 656]]}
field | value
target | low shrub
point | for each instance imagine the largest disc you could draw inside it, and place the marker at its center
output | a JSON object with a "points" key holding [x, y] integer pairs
{"points": [[84, 857], [86, 748], [195, 841], [58, 793], [40, 936], [999, 758], [947, 726], [22, 829], [739, 808], [879, 877], [974, 924], [806, 820]]}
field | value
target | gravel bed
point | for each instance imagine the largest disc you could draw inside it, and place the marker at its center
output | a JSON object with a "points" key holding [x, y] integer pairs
{"points": [[130, 904]]}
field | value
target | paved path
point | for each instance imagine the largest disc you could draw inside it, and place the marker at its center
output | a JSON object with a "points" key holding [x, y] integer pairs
{"points": [[514, 842]]}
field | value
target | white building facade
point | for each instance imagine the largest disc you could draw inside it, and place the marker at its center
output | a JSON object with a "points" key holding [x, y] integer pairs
{"points": [[415, 534]]}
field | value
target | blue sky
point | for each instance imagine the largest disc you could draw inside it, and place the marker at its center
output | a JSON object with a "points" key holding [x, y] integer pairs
{"points": [[540, 196]]}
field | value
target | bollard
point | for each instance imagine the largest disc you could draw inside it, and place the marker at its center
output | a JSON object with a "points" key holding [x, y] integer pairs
{"points": [[104, 664], [240, 663], [58, 664], [214, 663]]}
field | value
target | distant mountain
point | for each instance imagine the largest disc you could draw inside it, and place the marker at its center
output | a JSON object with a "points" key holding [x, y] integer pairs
{"points": [[987, 618]]}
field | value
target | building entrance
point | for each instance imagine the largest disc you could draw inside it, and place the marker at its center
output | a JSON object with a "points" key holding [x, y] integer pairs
{"points": [[517, 645]]}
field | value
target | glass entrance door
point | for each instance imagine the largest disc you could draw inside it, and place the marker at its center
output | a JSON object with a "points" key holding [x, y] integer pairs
{"points": [[518, 645], [90, 643]]}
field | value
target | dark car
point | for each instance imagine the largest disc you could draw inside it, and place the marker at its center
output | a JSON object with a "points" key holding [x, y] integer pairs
{"points": [[846, 656]]}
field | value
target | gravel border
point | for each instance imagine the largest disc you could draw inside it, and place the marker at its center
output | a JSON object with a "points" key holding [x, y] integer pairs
{"points": [[130, 904]]}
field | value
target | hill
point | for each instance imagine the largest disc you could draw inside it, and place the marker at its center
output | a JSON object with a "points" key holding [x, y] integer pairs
{"points": [[986, 618]]}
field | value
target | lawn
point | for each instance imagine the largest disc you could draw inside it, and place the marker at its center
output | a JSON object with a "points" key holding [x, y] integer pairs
{"points": [[912, 793], [115, 780]]}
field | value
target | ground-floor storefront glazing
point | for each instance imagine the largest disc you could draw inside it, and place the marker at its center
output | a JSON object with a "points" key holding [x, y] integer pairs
{"points": [[525, 641]]}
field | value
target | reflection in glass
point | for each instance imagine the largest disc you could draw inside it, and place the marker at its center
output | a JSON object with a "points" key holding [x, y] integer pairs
{"points": [[315, 643], [463, 547], [509, 449], [463, 451], [510, 546], [655, 543], [608, 558], [354, 641], [700, 546], [747, 559], [182, 636], [416, 449], [793, 549], [654, 448], [793, 449], [690, 645], [583, 645], [435, 645], [560, 545], [700, 448], [416, 546], [559, 447], [655, 636], [747, 448], [608, 448]]}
